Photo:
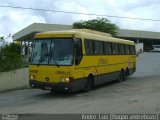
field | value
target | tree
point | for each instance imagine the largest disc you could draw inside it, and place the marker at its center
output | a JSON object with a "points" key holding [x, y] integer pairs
{"points": [[2, 41], [99, 24], [10, 57]]}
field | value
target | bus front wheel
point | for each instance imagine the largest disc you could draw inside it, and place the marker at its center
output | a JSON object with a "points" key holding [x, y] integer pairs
{"points": [[89, 84]]}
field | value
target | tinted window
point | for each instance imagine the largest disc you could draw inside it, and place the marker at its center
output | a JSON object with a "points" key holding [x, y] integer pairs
{"points": [[115, 48], [127, 51], [107, 48], [78, 56], [89, 47], [132, 49], [52, 51], [61, 52], [98, 47], [121, 49], [40, 52]]}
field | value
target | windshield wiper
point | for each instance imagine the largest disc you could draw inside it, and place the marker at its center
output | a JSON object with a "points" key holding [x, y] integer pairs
{"points": [[55, 61], [39, 62]]}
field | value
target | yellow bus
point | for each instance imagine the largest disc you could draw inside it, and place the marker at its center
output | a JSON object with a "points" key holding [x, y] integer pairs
{"points": [[79, 59]]}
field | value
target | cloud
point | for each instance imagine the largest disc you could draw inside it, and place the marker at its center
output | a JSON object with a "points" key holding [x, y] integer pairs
{"points": [[134, 4], [13, 20]]}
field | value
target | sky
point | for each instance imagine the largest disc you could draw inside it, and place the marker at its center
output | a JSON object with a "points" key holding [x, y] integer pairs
{"points": [[13, 20]]}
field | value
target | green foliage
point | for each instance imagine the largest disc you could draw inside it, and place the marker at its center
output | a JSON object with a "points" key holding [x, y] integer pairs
{"points": [[10, 57], [99, 24]]}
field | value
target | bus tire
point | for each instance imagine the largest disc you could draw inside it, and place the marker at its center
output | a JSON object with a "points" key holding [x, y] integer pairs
{"points": [[89, 84], [121, 76], [52, 90], [127, 72]]}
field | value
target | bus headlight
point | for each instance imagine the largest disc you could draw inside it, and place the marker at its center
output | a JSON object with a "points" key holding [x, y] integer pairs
{"points": [[64, 79], [32, 77]]}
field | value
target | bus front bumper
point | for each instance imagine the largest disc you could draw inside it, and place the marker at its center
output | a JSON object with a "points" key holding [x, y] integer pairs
{"points": [[75, 86]]}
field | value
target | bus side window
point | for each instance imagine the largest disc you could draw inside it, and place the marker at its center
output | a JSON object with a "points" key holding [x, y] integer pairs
{"points": [[130, 52], [132, 49], [78, 55], [116, 48], [98, 47], [127, 49], [113, 49], [89, 47], [121, 49], [107, 48]]}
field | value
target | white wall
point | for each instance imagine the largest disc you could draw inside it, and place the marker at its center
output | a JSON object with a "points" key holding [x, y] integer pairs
{"points": [[14, 79], [139, 48]]}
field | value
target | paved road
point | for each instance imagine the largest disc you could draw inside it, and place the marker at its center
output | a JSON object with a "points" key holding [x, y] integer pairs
{"points": [[139, 94]]}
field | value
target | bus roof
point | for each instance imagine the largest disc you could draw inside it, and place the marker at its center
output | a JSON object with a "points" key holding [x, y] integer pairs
{"points": [[83, 33]]}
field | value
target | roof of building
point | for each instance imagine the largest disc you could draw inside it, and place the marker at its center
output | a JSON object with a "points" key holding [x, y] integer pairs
{"points": [[138, 34], [38, 27]]}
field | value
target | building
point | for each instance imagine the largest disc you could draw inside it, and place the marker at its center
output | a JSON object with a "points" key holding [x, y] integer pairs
{"points": [[148, 38], [25, 36]]}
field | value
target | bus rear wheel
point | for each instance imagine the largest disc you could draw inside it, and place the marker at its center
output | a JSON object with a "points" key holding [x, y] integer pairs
{"points": [[121, 76], [127, 72]]}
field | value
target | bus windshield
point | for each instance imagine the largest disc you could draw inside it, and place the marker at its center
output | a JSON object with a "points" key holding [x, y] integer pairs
{"points": [[52, 52]]}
